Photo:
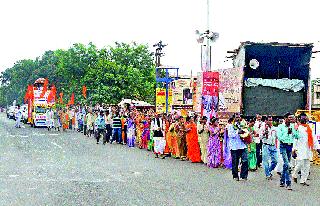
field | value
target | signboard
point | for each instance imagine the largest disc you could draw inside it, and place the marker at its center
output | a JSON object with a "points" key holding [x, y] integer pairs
{"points": [[230, 91], [161, 100], [182, 92], [210, 94]]}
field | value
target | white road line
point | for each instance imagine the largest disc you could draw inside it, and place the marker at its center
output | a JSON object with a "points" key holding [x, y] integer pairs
{"points": [[56, 145], [12, 135], [41, 134], [24, 136], [54, 134]]}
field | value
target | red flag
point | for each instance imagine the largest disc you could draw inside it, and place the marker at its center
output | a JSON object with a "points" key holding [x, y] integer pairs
{"points": [[71, 102], [27, 95], [61, 95], [45, 88], [52, 95], [84, 91]]}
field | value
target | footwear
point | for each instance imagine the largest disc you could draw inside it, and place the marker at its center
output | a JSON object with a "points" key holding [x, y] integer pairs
{"points": [[295, 180], [279, 173], [244, 179], [269, 178], [289, 188], [304, 184], [281, 184], [97, 142], [236, 178]]}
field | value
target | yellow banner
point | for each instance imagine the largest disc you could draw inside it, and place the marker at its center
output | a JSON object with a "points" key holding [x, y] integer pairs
{"points": [[161, 100]]}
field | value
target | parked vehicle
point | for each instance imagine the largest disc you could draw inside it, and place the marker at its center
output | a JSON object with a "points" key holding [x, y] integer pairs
{"points": [[11, 112]]}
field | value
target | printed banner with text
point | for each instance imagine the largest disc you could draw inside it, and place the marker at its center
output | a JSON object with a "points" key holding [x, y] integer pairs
{"points": [[210, 94]]}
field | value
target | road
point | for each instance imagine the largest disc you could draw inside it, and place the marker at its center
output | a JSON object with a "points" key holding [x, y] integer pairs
{"points": [[38, 167]]}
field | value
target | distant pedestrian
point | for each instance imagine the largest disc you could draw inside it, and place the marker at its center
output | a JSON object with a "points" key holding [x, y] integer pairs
{"points": [[18, 117], [117, 136], [101, 125]]}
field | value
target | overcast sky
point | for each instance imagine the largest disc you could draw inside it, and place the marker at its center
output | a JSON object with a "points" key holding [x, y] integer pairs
{"points": [[30, 27]]}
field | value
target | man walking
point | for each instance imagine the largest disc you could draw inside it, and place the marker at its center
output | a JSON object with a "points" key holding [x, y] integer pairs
{"points": [[101, 125], [286, 135], [238, 150], [302, 148], [257, 126], [116, 126], [18, 117], [108, 125], [269, 150]]}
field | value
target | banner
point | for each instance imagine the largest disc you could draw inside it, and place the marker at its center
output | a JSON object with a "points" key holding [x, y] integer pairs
{"points": [[161, 100], [210, 94], [230, 91], [182, 92]]}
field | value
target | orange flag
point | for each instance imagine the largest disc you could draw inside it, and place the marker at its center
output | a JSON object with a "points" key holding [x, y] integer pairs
{"points": [[27, 95], [84, 91], [71, 102], [45, 88], [52, 95], [61, 95]]}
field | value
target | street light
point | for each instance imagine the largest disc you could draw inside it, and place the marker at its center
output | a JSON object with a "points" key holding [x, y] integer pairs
{"points": [[205, 39]]}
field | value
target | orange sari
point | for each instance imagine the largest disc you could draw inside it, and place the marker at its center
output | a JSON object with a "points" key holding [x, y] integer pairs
{"points": [[193, 152]]}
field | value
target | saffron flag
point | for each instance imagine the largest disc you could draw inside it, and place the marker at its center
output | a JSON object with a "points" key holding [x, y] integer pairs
{"points": [[52, 95], [71, 102], [84, 91], [61, 96], [27, 95], [45, 88]]}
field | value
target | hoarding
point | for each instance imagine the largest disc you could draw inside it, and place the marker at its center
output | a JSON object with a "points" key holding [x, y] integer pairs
{"points": [[210, 94], [161, 100]]}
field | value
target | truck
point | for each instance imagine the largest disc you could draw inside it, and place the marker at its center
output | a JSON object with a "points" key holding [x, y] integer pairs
{"points": [[266, 78], [37, 105]]}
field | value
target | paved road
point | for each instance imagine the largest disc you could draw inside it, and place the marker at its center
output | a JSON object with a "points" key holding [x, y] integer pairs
{"points": [[38, 167]]}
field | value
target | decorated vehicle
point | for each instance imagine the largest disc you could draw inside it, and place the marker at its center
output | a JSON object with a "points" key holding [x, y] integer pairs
{"points": [[39, 98]]}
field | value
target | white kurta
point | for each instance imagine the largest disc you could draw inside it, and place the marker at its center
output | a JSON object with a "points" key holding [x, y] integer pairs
{"points": [[301, 144]]}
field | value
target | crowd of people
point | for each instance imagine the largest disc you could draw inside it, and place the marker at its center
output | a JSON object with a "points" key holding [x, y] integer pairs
{"points": [[282, 146]]}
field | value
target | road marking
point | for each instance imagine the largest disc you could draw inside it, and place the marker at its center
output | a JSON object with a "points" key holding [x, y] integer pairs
{"points": [[54, 134], [56, 145], [12, 135], [24, 136], [13, 175], [41, 134]]}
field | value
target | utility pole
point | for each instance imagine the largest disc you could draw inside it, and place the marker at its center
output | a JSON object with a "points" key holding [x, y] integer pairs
{"points": [[159, 46]]}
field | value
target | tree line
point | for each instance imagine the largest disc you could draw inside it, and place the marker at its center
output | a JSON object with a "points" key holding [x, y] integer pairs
{"points": [[110, 74]]}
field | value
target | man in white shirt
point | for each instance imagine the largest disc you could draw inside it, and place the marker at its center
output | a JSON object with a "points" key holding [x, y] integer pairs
{"points": [[257, 127], [18, 117], [303, 145]]}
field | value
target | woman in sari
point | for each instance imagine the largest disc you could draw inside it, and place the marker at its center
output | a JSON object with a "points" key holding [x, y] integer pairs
{"points": [[214, 147], [203, 131], [192, 142], [173, 139], [227, 161], [65, 120], [130, 132], [252, 158]]}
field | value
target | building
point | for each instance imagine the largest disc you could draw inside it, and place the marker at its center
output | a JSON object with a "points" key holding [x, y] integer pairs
{"points": [[315, 98]]}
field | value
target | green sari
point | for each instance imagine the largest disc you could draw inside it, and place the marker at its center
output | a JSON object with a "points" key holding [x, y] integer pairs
{"points": [[252, 157]]}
